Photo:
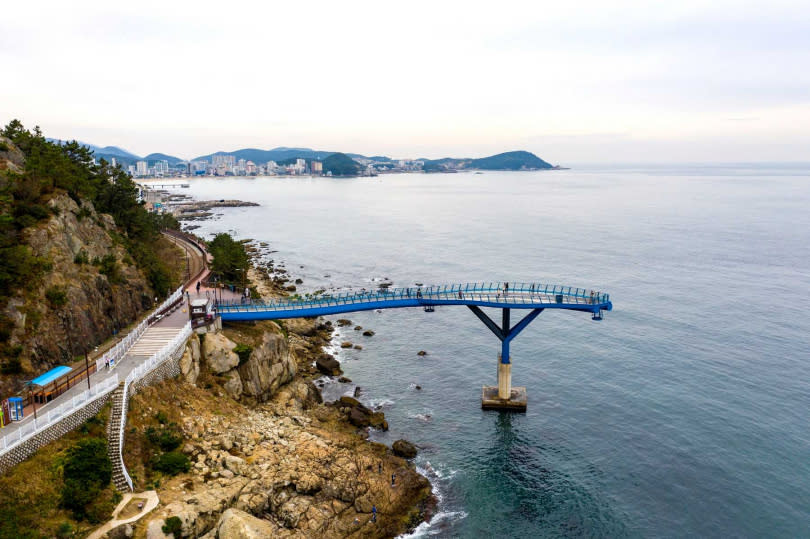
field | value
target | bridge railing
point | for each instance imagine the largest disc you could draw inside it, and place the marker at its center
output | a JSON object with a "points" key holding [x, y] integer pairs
{"points": [[515, 293]]}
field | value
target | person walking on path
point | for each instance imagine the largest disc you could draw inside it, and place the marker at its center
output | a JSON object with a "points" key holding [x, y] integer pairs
{"points": [[198, 288], [373, 513], [107, 363]]}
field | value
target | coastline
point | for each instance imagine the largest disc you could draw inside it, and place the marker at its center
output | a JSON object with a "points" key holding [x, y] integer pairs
{"points": [[308, 341]]}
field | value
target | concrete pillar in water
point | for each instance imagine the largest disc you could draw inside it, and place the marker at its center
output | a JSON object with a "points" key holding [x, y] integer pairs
{"points": [[504, 380]]}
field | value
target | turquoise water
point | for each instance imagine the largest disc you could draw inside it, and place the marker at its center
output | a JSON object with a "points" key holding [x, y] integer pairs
{"points": [[683, 413]]}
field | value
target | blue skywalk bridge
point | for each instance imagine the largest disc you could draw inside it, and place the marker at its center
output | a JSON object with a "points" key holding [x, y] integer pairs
{"points": [[506, 296]]}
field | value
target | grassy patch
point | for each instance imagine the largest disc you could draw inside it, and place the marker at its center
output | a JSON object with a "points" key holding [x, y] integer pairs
{"points": [[30, 493]]}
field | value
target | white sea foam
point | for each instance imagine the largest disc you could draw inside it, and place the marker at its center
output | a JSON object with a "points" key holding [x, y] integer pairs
{"points": [[435, 525], [425, 415], [379, 404]]}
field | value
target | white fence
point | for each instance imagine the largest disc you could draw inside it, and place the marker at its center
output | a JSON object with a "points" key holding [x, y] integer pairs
{"points": [[117, 352], [50, 417], [28, 429], [139, 372]]}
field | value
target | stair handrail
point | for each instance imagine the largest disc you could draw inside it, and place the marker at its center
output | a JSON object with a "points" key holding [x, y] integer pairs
{"points": [[136, 374]]}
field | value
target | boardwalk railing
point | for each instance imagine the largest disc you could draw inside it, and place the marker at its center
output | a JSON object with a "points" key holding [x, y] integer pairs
{"points": [[512, 293], [117, 352], [138, 373], [52, 416], [28, 429]]}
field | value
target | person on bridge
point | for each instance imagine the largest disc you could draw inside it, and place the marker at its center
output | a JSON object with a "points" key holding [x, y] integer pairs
{"points": [[505, 288]]}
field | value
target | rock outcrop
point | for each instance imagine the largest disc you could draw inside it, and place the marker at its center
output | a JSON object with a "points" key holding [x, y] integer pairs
{"points": [[286, 468], [404, 449], [266, 365], [96, 304]]}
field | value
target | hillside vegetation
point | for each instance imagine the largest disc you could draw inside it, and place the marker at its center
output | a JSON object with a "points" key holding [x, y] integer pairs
{"points": [[340, 164]]}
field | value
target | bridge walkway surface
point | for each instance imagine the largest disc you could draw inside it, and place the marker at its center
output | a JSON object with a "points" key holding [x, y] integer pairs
{"points": [[495, 295], [534, 297]]}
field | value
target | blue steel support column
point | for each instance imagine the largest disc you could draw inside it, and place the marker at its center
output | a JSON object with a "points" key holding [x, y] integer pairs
{"points": [[507, 338], [505, 334]]}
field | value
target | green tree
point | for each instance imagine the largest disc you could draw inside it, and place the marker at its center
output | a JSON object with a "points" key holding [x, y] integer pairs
{"points": [[230, 258], [87, 470]]}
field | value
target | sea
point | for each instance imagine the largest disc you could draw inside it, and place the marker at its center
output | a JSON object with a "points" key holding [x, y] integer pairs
{"points": [[684, 413]]}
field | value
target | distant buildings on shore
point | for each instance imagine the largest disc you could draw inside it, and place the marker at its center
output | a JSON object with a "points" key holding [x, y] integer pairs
{"points": [[225, 165]]}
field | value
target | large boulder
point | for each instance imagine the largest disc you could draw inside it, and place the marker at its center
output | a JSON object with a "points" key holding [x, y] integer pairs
{"points": [[359, 418], [404, 449], [269, 367], [236, 524], [190, 362], [328, 365], [218, 352], [233, 385]]}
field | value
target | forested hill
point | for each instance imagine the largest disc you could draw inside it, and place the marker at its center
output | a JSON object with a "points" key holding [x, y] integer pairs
{"points": [[519, 160], [510, 161]]}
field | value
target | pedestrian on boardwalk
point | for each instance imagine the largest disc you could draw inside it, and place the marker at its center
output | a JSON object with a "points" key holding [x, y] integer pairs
{"points": [[505, 288], [198, 287], [373, 513], [107, 363]]}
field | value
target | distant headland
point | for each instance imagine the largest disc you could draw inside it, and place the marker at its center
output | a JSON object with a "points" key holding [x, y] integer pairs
{"points": [[305, 161]]}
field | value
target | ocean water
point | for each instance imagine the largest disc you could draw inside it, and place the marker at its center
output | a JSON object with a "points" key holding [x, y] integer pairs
{"points": [[684, 413]]}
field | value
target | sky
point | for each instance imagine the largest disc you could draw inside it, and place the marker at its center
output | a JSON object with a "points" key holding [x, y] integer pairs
{"points": [[573, 82]]}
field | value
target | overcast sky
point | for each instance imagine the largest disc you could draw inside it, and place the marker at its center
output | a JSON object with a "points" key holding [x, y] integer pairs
{"points": [[573, 82]]}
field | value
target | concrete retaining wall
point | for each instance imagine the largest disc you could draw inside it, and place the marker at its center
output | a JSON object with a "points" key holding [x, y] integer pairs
{"points": [[54, 432]]}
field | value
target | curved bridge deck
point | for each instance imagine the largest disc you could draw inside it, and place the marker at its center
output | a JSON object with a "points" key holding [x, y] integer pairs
{"points": [[497, 295]]}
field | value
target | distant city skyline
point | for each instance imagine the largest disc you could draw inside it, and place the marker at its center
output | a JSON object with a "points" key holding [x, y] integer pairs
{"points": [[626, 81]]}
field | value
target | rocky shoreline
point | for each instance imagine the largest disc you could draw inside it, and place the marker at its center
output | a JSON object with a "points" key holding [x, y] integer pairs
{"points": [[269, 458]]}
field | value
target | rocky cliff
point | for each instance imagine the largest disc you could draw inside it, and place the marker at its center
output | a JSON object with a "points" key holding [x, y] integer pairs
{"points": [[290, 467], [269, 459], [78, 303]]}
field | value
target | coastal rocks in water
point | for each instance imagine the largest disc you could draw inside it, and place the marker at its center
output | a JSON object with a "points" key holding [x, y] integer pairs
{"points": [[368, 333], [299, 281], [360, 416], [328, 365], [421, 353], [358, 328], [346, 344], [218, 352], [404, 449], [358, 347], [343, 322]]}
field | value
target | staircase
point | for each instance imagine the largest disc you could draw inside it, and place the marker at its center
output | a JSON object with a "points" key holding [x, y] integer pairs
{"points": [[117, 414]]}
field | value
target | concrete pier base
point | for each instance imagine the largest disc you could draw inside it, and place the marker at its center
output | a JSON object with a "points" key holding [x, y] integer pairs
{"points": [[518, 398]]}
